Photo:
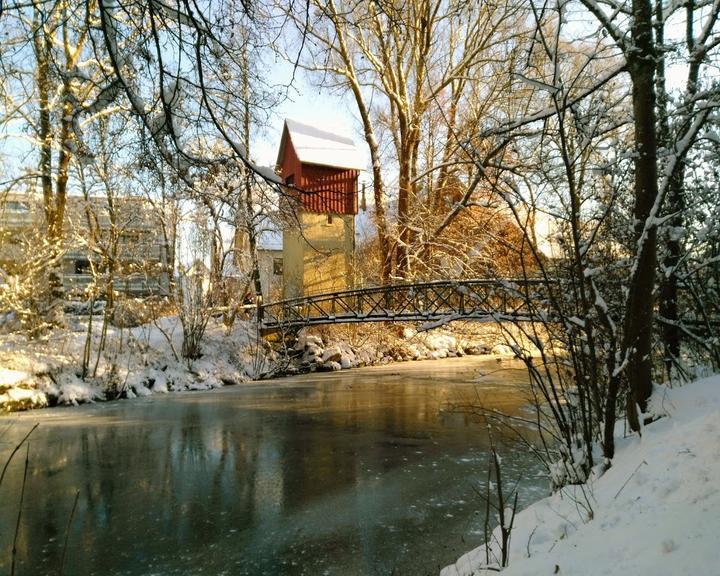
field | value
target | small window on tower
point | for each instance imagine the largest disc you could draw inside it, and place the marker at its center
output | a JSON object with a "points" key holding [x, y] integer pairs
{"points": [[277, 266], [329, 218]]}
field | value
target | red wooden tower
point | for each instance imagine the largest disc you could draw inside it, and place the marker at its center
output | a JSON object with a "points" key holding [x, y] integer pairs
{"points": [[323, 169]]}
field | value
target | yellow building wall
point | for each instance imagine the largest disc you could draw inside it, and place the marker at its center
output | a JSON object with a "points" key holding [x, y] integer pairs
{"points": [[319, 257]]}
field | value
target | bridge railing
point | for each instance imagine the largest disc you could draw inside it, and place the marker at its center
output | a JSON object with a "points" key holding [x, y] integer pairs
{"points": [[438, 301], [425, 301]]}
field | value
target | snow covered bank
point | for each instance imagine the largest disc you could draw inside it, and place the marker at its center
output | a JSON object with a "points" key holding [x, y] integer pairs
{"points": [[132, 362], [655, 512], [373, 344]]}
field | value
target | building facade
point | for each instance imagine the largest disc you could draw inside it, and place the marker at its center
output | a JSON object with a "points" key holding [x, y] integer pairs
{"points": [[128, 234]]}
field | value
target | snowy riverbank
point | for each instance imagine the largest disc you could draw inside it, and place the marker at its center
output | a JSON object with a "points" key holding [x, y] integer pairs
{"points": [[655, 512], [342, 349], [146, 359], [132, 362]]}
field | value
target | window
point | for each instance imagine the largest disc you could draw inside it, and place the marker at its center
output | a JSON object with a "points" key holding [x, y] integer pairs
{"points": [[290, 180], [11, 239], [130, 237], [16, 206], [329, 218], [82, 267], [277, 266]]}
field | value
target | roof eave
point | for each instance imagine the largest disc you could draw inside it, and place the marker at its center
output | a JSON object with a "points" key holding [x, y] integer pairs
{"points": [[281, 150]]}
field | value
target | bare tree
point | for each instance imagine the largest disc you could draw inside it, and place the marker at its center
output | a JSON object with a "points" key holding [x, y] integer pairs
{"points": [[640, 46], [388, 56], [65, 87], [609, 341]]}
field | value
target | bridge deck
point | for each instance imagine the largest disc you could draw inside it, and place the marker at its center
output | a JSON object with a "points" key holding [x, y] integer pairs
{"points": [[419, 302]]}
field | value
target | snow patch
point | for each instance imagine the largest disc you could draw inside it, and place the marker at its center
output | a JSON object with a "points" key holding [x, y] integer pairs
{"points": [[653, 512]]}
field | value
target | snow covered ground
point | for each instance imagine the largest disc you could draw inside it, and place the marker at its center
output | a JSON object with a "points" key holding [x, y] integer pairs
{"points": [[655, 512]]}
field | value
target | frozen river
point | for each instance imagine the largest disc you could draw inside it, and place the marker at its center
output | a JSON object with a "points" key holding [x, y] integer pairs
{"points": [[359, 472]]}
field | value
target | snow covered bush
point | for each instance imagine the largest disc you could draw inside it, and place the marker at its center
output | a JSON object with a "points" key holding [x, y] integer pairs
{"points": [[25, 296], [193, 307]]}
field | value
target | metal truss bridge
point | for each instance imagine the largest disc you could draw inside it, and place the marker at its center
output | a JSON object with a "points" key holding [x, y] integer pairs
{"points": [[430, 302]]}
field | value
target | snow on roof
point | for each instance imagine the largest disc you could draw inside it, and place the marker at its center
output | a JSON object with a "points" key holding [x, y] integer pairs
{"points": [[314, 145]]}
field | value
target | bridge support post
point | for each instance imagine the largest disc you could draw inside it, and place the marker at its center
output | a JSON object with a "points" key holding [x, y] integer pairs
{"points": [[388, 301]]}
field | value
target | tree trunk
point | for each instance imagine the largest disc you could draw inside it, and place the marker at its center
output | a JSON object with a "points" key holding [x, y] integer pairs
{"points": [[53, 296], [403, 215], [42, 56], [669, 285], [637, 341], [372, 142], [669, 310]]}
